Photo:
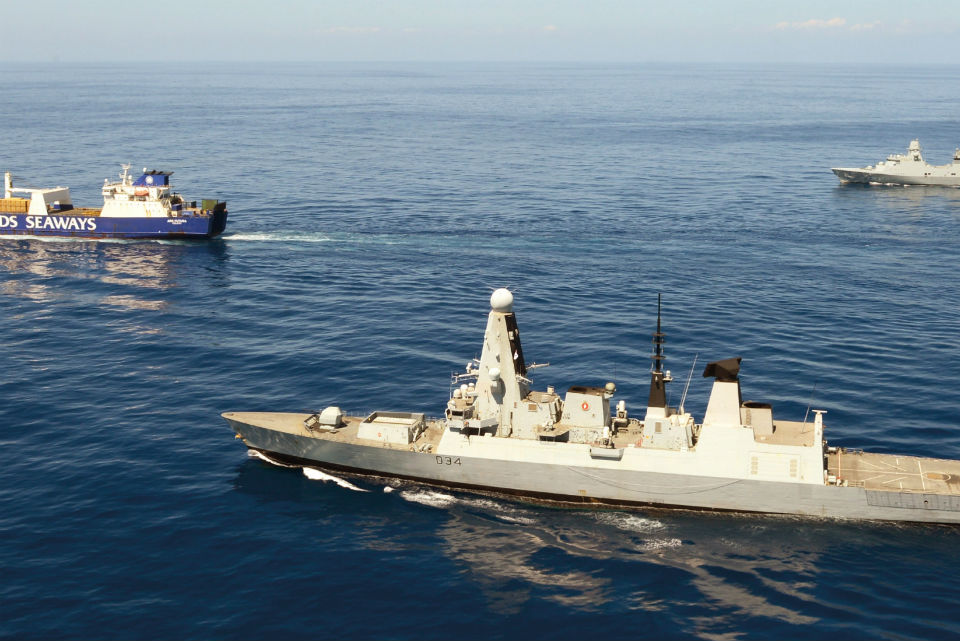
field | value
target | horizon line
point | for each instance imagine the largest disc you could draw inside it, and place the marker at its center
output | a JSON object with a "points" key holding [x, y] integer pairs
{"points": [[753, 63]]}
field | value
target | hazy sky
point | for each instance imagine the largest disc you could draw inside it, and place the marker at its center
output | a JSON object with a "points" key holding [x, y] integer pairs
{"points": [[883, 31]]}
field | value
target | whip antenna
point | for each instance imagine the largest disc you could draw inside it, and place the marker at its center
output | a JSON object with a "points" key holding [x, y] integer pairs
{"points": [[689, 378], [809, 404]]}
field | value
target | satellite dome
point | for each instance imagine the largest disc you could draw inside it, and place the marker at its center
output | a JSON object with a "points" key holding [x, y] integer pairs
{"points": [[501, 300]]}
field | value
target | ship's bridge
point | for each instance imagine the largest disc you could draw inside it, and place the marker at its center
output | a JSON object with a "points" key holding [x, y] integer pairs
{"points": [[153, 178]]}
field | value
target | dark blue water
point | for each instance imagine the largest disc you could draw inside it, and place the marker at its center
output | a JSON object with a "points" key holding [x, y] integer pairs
{"points": [[373, 210]]}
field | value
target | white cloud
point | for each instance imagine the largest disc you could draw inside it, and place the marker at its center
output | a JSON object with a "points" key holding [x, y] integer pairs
{"points": [[550, 27], [833, 24], [814, 23], [353, 30]]}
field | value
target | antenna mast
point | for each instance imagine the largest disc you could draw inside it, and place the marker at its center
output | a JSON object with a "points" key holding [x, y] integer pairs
{"points": [[658, 396], [658, 339], [689, 378], [809, 404]]}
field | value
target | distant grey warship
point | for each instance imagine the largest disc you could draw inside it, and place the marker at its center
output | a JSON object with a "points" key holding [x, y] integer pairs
{"points": [[499, 435], [904, 169]]}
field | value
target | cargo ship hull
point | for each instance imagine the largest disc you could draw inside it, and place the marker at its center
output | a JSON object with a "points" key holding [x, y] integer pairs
{"points": [[99, 227], [143, 208]]}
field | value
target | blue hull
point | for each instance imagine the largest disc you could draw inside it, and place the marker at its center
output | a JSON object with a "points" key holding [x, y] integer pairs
{"points": [[76, 226]]}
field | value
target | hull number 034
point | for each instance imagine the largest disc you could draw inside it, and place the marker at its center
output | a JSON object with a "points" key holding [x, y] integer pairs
{"points": [[448, 460]]}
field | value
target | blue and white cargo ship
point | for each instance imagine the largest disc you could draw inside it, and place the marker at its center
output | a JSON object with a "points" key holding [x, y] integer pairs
{"points": [[143, 208]]}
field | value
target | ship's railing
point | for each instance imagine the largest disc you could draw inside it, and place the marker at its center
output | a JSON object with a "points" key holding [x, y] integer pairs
{"points": [[363, 413]]}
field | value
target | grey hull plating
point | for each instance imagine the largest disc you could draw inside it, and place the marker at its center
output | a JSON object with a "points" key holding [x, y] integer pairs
{"points": [[866, 177], [499, 434], [904, 169], [591, 485]]}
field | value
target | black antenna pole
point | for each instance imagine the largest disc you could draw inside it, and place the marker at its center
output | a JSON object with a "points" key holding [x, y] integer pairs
{"points": [[658, 339], [658, 397]]}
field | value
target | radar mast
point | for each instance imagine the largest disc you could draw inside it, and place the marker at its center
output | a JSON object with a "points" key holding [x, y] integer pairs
{"points": [[657, 403]]}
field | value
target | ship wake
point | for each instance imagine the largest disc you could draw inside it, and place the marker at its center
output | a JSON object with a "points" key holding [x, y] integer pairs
{"points": [[278, 237], [266, 459], [441, 500], [317, 475], [629, 522]]}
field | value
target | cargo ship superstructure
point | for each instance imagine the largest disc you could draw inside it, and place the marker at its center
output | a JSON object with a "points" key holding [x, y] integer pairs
{"points": [[500, 435], [146, 207], [904, 169]]}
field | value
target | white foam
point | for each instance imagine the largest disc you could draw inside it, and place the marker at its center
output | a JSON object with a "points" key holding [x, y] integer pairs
{"points": [[317, 475], [264, 457], [278, 237], [427, 497], [388, 489], [520, 520], [628, 522], [486, 504], [659, 544], [504, 511]]}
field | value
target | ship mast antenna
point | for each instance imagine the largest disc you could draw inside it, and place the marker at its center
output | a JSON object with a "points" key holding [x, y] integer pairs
{"points": [[687, 386], [658, 396], [658, 342], [809, 405]]}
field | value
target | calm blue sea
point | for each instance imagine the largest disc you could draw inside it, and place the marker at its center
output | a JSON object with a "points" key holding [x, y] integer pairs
{"points": [[373, 208]]}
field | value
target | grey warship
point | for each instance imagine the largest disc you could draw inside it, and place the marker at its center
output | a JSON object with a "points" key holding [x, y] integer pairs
{"points": [[500, 435], [904, 169]]}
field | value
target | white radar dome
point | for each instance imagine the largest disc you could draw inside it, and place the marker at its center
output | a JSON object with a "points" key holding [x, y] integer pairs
{"points": [[501, 300]]}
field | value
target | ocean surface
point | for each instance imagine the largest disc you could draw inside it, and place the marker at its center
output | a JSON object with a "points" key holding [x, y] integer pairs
{"points": [[373, 209]]}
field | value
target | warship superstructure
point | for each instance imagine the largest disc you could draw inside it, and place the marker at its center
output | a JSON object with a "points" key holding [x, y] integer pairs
{"points": [[904, 169], [499, 434], [146, 207]]}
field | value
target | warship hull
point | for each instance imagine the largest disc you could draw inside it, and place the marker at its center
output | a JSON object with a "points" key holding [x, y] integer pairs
{"points": [[904, 169], [468, 465], [499, 435], [868, 177]]}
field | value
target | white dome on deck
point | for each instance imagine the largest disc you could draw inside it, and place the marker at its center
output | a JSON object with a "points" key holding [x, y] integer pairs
{"points": [[502, 300]]}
